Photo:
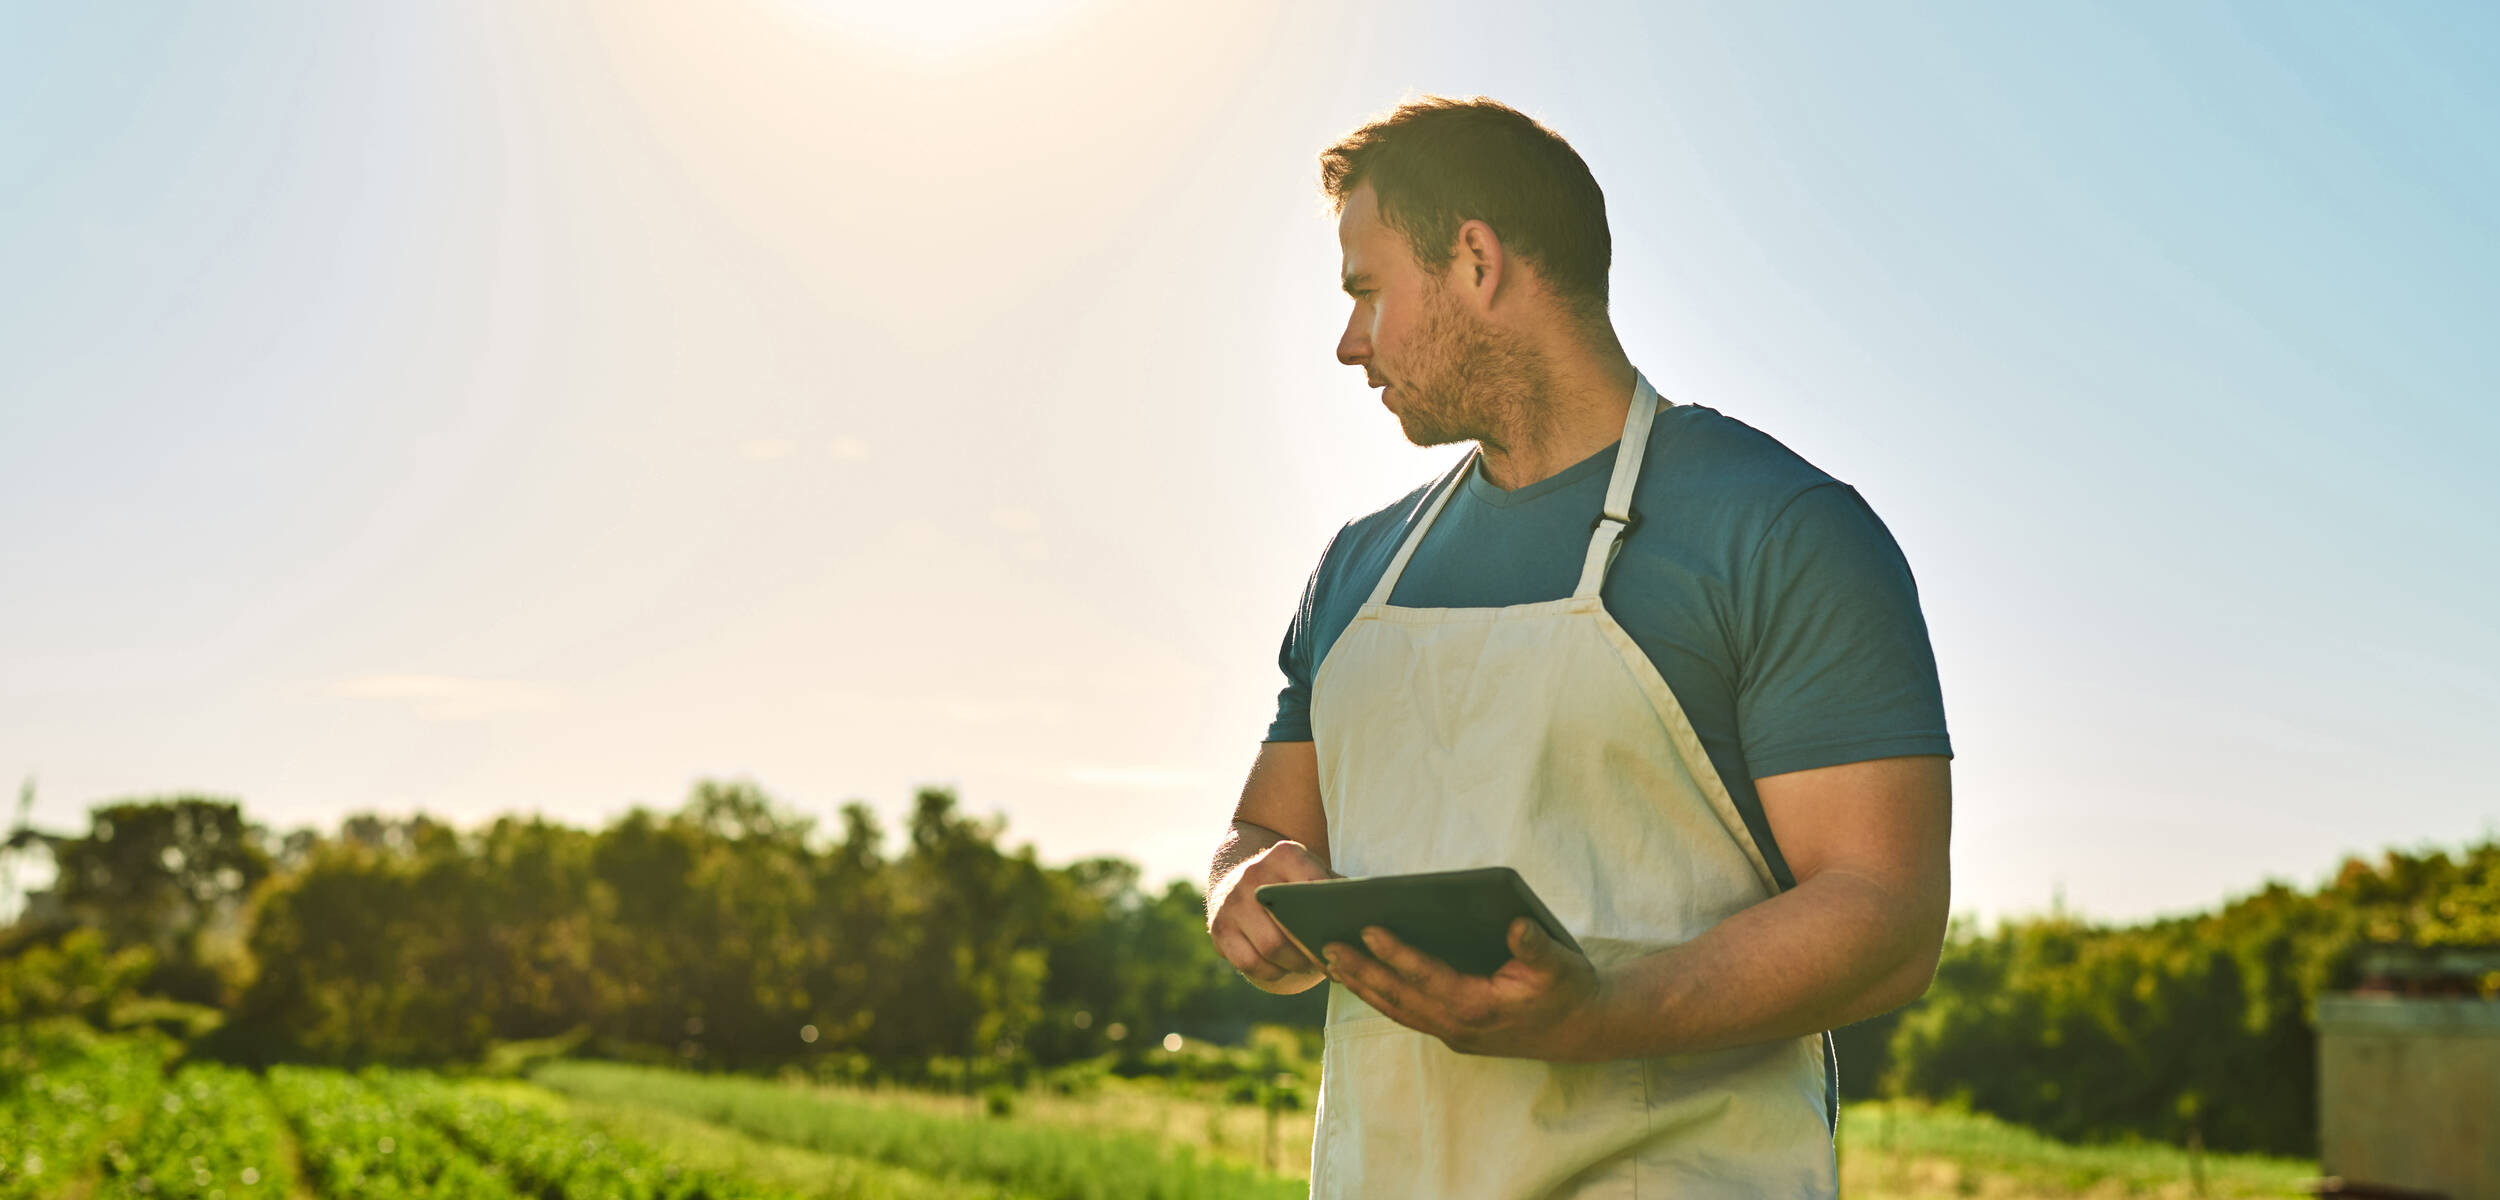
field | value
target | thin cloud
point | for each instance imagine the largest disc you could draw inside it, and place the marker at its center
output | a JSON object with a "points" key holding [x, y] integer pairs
{"points": [[450, 698], [849, 449], [1015, 520], [767, 449], [957, 707], [1144, 778]]}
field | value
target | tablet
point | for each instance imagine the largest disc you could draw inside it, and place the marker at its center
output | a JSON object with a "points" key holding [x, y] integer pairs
{"points": [[1460, 917]]}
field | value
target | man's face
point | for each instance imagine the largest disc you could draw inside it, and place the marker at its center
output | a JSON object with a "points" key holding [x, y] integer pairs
{"points": [[1413, 337]]}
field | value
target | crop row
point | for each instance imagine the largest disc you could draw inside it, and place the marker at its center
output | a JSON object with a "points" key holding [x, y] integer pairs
{"points": [[215, 1133], [209, 1134], [102, 1110], [59, 1098], [551, 1156], [1050, 1164], [357, 1142]]}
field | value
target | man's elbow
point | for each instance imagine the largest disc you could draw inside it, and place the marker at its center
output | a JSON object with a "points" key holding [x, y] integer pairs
{"points": [[1906, 984], [1917, 950]]}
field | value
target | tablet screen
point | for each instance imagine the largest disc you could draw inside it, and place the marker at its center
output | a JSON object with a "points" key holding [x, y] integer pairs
{"points": [[1460, 917]]}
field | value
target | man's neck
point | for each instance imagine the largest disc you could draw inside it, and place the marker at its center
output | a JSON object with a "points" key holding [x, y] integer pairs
{"points": [[1582, 412]]}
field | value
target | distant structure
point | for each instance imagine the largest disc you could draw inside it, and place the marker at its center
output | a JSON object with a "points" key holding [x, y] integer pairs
{"points": [[28, 847], [2409, 1076]]}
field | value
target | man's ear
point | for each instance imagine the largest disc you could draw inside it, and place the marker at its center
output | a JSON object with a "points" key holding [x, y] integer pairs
{"points": [[1481, 263]]}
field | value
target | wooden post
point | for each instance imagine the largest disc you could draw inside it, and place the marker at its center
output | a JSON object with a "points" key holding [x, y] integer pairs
{"points": [[2196, 1158], [1267, 1155]]}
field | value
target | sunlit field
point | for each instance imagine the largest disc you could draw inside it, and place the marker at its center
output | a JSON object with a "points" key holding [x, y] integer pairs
{"points": [[1897, 1150], [83, 1115], [714, 1003]]}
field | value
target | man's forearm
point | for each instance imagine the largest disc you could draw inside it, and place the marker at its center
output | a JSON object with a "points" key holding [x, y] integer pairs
{"points": [[1830, 951]]}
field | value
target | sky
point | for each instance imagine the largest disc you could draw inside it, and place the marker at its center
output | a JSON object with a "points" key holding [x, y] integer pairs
{"points": [[487, 408]]}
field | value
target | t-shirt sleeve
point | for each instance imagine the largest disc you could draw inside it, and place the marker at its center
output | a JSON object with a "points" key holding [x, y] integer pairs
{"points": [[1835, 663], [1293, 704]]}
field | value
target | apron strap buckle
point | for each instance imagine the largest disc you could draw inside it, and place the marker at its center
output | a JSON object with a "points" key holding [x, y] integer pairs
{"points": [[1629, 523]]}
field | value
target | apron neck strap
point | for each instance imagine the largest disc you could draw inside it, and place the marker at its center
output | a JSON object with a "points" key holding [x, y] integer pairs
{"points": [[1397, 566], [1617, 519]]}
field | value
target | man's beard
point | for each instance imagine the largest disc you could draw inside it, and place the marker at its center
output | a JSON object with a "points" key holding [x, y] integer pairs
{"points": [[1476, 383]]}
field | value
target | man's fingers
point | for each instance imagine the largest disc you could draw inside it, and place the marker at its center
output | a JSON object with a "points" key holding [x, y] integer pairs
{"points": [[1257, 947], [1272, 943], [1362, 974], [1308, 958], [1254, 931], [1384, 986], [1244, 957], [1421, 969], [1529, 944]]}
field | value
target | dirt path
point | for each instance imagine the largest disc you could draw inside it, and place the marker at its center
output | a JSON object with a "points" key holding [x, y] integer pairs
{"points": [[289, 1147]]}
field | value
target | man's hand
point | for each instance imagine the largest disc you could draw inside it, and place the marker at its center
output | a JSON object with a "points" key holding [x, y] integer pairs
{"points": [[1541, 1004], [1247, 935]]}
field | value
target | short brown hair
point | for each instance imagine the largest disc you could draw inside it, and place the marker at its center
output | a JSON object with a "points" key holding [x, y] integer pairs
{"points": [[1437, 163]]}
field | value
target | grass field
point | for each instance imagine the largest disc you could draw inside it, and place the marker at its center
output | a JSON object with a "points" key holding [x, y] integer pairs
{"points": [[1889, 1150], [84, 1117], [1901, 1149]]}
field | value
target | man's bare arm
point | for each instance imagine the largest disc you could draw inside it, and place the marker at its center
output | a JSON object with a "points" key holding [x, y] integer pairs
{"points": [[1859, 935], [1279, 835], [1279, 801]]}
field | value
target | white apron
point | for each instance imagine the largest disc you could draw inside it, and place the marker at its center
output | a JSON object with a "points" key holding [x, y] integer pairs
{"points": [[1540, 737]]}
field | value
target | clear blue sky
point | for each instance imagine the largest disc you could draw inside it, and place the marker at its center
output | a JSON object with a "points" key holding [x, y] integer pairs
{"points": [[485, 407]]}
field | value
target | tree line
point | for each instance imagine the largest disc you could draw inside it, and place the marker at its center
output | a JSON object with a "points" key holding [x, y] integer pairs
{"points": [[727, 932], [2198, 1027], [733, 932]]}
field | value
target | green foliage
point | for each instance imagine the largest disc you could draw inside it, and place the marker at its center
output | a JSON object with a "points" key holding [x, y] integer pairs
{"points": [[176, 1019], [724, 934], [783, 1170], [1881, 1140], [720, 935], [416, 943], [549, 1156], [2199, 1025], [165, 874], [1276, 1066], [62, 1090], [209, 1133], [1049, 1164], [81, 1109], [513, 1059], [357, 1141], [79, 975], [728, 934]]}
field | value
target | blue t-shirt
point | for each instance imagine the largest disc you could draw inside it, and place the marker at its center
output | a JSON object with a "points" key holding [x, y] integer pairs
{"points": [[1771, 599]]}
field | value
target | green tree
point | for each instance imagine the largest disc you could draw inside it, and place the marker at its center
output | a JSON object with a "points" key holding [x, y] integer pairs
{"points": [[165, 874]]}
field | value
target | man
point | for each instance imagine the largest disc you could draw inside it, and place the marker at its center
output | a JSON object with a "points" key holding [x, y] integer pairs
{"points": [[1669, 671]]}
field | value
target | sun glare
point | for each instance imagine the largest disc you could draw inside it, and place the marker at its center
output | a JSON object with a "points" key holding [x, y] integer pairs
{"points": [[940, 29]]}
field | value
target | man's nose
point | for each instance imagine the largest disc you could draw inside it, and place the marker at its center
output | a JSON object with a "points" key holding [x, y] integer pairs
{"points": [[1354, 347]]}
